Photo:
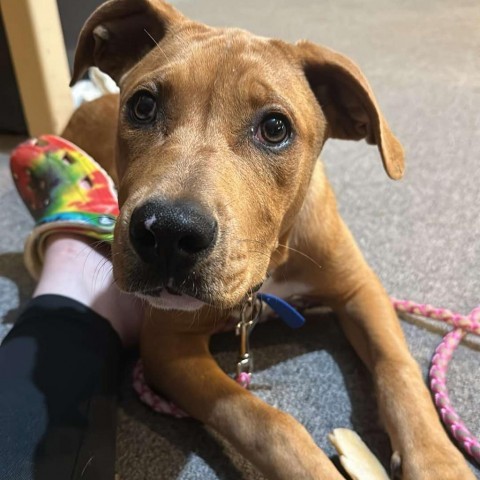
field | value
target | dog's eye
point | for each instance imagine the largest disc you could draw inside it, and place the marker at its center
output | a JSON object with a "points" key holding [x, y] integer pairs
{"points": [[274, 129], [143, 107]]}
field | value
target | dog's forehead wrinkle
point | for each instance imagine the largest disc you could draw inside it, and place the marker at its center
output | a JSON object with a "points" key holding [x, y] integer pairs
{"points": [[179, 71], [221, 46]]}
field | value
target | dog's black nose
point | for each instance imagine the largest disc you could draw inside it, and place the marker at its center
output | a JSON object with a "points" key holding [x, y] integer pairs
{"points": [[172, 235]]}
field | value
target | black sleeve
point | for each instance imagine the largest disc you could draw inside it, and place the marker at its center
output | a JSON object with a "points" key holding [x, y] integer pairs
{"points": [[59, 372]]}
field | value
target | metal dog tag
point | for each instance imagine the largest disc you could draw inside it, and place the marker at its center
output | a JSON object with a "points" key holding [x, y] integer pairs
{"points": [[249, 316]]}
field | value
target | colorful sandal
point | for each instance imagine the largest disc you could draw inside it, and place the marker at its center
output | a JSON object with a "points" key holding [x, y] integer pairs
{"points": [[65, 190]]}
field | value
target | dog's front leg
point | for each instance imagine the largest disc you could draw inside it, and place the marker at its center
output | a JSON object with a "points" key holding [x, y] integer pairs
{"points": [[180, 366], [371, 325]]}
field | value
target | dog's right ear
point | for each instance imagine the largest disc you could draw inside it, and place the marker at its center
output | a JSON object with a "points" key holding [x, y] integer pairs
{"points": [[120, 33]]}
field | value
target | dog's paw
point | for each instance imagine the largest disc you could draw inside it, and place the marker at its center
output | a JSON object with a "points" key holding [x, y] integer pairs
{"points": [[437, 464], [358, 461]]}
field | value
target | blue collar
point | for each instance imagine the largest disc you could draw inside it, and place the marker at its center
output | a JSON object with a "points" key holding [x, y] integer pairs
{"points": [[283, 309]]}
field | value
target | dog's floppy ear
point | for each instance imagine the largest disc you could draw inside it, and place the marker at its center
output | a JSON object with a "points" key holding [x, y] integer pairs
{"points": [[119, 33], [348, 103]]}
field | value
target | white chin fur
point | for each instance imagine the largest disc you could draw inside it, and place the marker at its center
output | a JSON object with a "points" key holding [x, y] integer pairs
{"points": [[167, 301]]}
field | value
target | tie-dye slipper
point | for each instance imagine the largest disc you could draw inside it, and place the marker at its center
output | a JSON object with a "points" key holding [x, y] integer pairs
{"points": [[65, 190]]}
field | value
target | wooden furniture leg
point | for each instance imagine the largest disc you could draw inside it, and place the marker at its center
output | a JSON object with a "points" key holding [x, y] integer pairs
{"points": [[38, 51]]}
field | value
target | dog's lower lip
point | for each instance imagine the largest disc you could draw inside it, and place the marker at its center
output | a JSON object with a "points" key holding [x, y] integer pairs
{"points": [[154, 292]]}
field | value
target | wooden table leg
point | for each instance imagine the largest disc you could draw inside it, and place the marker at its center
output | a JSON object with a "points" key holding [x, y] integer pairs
{"points": [[38, 51]]}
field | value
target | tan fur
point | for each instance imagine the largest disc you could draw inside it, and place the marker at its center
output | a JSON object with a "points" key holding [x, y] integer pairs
{"points": [[276, 212]]}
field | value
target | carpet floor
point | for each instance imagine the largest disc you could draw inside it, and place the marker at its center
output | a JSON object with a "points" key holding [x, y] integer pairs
{"points": [[421, 235]]}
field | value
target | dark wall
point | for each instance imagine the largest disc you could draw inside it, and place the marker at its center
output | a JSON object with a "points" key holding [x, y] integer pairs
{"points": [[11, 113], [73, 14]]}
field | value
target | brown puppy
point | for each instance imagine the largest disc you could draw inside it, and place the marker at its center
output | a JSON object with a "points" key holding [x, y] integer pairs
{"points": [[216, 137]]}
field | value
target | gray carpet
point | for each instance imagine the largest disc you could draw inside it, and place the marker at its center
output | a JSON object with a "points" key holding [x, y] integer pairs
{"points": [[420, 234]]}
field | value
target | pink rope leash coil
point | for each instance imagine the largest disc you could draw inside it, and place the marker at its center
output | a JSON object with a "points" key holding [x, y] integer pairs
{"points": [[161, 405], [150, 398], [439, 367]]}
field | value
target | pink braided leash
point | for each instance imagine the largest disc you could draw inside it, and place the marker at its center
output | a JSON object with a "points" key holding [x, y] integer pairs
{"points": [[150, 398], [161, 405], [438, 371]]}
